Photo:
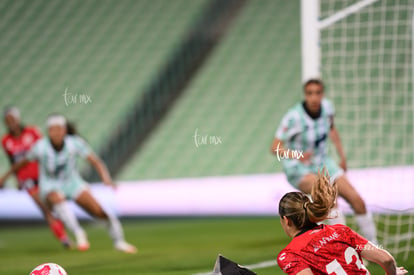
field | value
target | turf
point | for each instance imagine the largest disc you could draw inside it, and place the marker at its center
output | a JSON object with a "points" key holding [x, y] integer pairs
{"points": [[166, 246]]}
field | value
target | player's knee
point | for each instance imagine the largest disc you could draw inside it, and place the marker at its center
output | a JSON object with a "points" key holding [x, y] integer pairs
{"points": [[54, 198], [100, 213]]}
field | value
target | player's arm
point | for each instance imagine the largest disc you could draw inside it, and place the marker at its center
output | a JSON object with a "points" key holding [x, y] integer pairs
{"points": [[31, 155], [334, 136], [85, 151], [306, 271], [278, 148], [101, 168], [13, 169], [287, 130], [382, 258]]}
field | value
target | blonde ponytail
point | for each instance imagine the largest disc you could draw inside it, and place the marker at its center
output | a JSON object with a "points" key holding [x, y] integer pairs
{"points": [[304, 211], [323, 197]]}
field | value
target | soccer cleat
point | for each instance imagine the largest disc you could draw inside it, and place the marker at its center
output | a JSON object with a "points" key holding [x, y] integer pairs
{"points": [[125, 247], [58, 230], [82, 241], [83, 247], [66, 243]]}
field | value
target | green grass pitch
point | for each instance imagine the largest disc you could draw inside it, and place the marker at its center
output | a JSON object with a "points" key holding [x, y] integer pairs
{"points": [[166, 246]]}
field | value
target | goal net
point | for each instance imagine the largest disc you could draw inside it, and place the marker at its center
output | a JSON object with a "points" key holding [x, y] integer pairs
{"points": [[366, 61]]}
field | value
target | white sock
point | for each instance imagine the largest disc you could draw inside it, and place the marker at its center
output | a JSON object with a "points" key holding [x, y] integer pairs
{"points": [[336, 217], [367, 227], [68, 218], [115, 228]]}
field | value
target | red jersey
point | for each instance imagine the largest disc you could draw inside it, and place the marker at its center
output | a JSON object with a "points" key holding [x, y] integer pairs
{"points": [[16, 149], [325, 249]]}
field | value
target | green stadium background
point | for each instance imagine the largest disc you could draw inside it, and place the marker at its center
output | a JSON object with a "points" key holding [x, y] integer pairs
{"points": [[109, 51]]}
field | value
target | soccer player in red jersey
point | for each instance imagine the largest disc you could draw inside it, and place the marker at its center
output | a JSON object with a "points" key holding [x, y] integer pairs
{"points": [[324, 249], [16, 143]]}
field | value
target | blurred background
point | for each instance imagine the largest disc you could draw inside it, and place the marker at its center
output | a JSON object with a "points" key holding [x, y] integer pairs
{"points": [[117, 54], [182, 98]]}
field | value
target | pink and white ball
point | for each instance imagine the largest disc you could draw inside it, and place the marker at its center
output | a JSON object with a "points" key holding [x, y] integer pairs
{"points": [[48, 269]]}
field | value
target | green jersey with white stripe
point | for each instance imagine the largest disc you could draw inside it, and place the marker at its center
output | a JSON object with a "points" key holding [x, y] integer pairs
{"points": [[59, 166], [299, 131]]}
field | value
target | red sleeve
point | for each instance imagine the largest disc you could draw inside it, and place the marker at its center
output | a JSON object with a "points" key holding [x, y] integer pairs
{"points": [[290, 263]]}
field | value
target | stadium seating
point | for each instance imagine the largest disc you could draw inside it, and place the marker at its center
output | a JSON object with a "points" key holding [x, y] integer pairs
{"points": [[105, 52], [239, 97]]}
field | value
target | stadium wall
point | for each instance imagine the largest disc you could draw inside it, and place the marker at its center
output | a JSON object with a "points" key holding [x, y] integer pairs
{"points": [[250, 195]]}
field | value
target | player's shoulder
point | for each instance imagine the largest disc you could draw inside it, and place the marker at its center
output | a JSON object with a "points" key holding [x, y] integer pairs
{"points": [[71, 141], [300, 242], [294, 112], [42, 142], [339, 228], [75, 142], [328, 105], [327, 102], [74, 139]]}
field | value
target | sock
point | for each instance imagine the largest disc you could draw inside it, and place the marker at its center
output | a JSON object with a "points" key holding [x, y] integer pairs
{"points": [[68, 218], [367, 227], [336, 217], [115, 228], [58, 230]]}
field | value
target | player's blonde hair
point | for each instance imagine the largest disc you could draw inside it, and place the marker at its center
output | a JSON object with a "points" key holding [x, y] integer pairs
{"points": [[304, 211]]}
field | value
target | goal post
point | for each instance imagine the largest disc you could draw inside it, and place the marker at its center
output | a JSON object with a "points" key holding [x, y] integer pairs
{"points": [[311, 26], [363, 51], [310, 36]]}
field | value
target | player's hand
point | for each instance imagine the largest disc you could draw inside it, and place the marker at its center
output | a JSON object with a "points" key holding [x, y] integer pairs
{"points": [[110, 183], [401, 271], [342, 164], [114, 186], [306, 157]]}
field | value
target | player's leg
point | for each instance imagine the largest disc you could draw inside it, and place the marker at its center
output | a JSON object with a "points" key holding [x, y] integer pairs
{"points": [[363, 218], [90, 205], [57, 202], [306, 182], [56, 226]]}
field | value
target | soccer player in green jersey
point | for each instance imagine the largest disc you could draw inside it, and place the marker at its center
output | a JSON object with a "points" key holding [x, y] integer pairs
{"points": [[60, 180], [301, 144]]}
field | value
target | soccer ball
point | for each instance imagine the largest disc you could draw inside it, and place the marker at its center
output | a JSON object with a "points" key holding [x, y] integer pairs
{"points": [[48, 269]]}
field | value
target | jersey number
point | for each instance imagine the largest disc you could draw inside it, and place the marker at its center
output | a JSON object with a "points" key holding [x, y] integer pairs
{"points": [[335, 266]]}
